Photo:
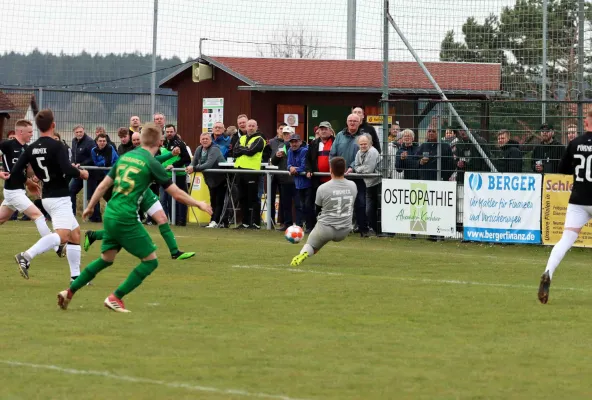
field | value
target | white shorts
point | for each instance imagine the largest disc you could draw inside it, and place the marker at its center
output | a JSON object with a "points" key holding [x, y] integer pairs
{"points": [[16, 200], [60, 211], [156, 207], [577, 216]]}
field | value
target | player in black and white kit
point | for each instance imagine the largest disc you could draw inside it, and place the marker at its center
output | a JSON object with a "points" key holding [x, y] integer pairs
{"points": [[15, 196], [577, 160], [49, 160], [334, 205]]}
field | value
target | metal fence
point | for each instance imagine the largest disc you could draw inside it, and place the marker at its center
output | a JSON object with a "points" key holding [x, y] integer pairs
{"points": [[110, 110]]}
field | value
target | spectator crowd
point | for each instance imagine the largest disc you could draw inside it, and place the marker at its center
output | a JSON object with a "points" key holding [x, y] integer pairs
{"points": [[244, 147]]}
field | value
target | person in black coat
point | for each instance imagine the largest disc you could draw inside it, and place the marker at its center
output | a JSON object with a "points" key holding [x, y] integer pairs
{"points": [[82, 145], [407, 160], [509, 156], [469, 158], [427, 155], [546, 156], [286, 186], [366, 128]]}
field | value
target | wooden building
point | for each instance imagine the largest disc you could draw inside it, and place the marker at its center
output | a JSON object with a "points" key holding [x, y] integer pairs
{"points": [[6, 109], [271, 89]]}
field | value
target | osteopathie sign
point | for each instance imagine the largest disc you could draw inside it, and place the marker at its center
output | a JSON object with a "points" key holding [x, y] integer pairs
{"points": [[502, 208], [419, 207]]}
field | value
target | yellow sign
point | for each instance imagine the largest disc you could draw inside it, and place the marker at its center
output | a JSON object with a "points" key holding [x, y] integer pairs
{"points": [[377, 119], [556, 192], [199, 191]]}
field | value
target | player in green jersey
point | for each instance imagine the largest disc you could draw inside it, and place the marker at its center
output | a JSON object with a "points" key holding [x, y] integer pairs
{"points": [[151, 206], [130, 177]]}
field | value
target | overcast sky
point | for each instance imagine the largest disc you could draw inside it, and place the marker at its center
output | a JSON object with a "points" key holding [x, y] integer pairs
{"points": [[126, 25]]}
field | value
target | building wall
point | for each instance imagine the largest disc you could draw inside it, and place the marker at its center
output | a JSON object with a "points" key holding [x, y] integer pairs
{"points": [[263, 106], [190, 103]]}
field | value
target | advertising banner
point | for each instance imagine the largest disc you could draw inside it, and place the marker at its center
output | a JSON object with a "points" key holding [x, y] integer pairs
{"points": [[556, 192], [419, 207], [213, 111], [502, 208]]}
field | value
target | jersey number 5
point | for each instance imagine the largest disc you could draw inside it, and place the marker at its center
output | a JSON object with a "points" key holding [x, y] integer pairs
{"points": [[44, 168], [123, 176], [585, 163]]}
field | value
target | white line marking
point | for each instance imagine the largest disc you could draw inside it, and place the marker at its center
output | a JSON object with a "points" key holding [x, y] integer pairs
{"points": [[286, 269], [176, 385], [407, 279]]}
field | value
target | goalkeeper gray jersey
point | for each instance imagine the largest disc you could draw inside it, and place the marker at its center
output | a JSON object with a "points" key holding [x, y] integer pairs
{"points": [[336, 199]]}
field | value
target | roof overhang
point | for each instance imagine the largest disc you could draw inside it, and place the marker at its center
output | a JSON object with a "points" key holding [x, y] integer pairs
{"points": [[338, 89], [168, 80]]}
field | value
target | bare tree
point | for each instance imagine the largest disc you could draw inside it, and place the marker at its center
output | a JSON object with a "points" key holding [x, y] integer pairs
{"points": [[292, 43]]}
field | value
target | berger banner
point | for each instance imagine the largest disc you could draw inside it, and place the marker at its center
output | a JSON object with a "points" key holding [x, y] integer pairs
{"points": [[419, 207], [502, 208], [556, 192]]}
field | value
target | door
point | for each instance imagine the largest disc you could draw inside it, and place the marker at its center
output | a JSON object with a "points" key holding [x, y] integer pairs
{"points": [[336, 115]]}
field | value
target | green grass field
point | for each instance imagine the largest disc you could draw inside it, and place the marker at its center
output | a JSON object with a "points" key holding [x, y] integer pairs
{"points": [[364, 319]]}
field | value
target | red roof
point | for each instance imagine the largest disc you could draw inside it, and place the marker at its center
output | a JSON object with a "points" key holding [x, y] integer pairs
{"points": [[294, 72]]}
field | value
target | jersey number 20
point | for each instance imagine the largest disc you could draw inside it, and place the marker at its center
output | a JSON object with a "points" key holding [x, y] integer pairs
{"points": [[586, 164]]}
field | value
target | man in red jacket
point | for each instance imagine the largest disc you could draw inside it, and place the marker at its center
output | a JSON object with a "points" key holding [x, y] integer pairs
{"points": [[317, 157]]}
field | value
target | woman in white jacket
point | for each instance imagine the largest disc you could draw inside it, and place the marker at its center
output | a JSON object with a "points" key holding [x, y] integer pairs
{"points": [[367, 162]]}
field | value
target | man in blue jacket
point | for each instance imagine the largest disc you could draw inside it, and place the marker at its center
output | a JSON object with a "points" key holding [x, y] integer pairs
{"points": [[220, 139], [297, 165], [103, 155], [82, 146]]}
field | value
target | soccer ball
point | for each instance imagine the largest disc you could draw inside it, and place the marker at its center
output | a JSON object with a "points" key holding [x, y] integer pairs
{"points": [[294, 234]]}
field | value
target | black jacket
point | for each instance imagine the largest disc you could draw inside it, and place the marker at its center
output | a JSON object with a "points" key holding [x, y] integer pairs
{"points": [[429, 171], [550, 154], [124, 148], [185, 159], [81, 150], [368, 129], [409, 166], [282, 163], [467, 151], [312, 157], [233, 141], [509, 158]]}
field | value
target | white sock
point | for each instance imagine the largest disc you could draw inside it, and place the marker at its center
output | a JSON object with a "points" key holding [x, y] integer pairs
{"points": [[567, 240], [42, 226], [43, 229], [307, 248], [73, 254], [44, 244]]}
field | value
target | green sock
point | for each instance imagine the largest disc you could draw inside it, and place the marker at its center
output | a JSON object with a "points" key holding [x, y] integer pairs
{"points": [[89, 273], [99, 235], [136, 277], [169, 237]]}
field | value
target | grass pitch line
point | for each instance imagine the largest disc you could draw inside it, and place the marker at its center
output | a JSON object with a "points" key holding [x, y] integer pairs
{"points": [[133, 379], [287, 269], [405, 279]]}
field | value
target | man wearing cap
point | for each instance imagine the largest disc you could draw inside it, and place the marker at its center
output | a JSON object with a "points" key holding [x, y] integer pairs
{"points": [[285, 182], [297, 165], [317, 156], [546, 156]]}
